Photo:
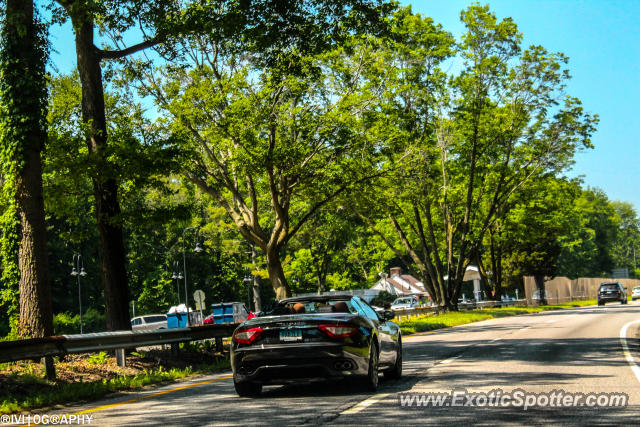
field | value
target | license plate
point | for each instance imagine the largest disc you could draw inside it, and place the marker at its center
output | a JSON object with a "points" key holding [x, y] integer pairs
{"points": [[290, 335]]}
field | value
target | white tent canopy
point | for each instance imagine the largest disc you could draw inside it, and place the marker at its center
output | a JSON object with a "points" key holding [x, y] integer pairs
{"points": [[471, 273]]}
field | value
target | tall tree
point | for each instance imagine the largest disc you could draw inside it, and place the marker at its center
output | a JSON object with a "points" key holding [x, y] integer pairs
{"points": [[529, 238], [471, 143], [23, 106], [628, 241], [266, 27], [271, 148], [590, 254]]}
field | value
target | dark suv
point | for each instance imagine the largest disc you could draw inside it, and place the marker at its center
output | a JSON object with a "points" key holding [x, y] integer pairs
{"points": [[612, 291]]}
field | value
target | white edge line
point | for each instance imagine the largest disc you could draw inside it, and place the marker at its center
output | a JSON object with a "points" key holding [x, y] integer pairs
{"points": [[495, 339], [625, 349], [365, 404]]}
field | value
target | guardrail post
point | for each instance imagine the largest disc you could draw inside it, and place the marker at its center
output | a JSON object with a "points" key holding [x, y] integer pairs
{"points": [[49, 368], [175, 350], [121, 360]]}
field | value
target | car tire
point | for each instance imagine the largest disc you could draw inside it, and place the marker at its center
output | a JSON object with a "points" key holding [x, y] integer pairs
{"points": [[600, 303], [247, 388], [371, 381], [396, 371]]}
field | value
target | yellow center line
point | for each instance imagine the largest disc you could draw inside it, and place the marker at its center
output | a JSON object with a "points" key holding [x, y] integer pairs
{"points": [[146, 396]]}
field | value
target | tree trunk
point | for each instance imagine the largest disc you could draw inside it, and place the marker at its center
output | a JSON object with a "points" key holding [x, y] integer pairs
{"points": [[539, 279], [276, 274], [36, 318], [257, 301], [105, 187], [35, 292]]}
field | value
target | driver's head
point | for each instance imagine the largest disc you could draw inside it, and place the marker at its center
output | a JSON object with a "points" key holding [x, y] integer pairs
{"points": [[298, 308], [341, 307]]}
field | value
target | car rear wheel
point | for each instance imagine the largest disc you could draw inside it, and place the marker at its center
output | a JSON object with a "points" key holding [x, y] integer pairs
{"points": [[247, 388], [396, 371], [371, 382], [600, 303]]}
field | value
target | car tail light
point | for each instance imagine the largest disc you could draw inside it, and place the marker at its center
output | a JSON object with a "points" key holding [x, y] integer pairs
{"points": [[338, 331], [247, 336]]}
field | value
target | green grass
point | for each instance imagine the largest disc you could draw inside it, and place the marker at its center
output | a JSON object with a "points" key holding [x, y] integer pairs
{"points": [[454, 318], [53, 394]]}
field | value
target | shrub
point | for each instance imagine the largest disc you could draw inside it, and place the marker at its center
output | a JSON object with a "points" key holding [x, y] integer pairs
{"points": [[383, 299], [67, 323]]}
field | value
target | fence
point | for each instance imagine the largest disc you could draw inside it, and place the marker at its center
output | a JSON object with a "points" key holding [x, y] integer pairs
{"points": [[463, 306], [563, 289]]}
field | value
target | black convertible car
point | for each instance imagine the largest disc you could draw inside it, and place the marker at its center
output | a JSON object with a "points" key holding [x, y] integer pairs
{"points": [[317, 337]]}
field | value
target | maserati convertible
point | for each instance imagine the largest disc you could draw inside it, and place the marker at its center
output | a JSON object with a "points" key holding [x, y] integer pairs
{"points": [[324, 337]]}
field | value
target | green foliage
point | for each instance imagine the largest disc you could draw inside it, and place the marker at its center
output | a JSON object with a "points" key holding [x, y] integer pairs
{"points": [[23, 102], [463, 143], [98, 358], [587, 250], [286, 144], [383, 299], [627, 241], [69, 324]]}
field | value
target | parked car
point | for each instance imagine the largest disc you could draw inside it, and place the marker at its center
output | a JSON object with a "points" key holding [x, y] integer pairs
{"points": [[611, 291], [635, 293], [149, 322], [404, 303], [315, 337]]}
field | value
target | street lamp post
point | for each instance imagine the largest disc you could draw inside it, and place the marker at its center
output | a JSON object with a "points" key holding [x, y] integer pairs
{"points": [[248, 279], [197, 249], [77, 271], [177, 275]]}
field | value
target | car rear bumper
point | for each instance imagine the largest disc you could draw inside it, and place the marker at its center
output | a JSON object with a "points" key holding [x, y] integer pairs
{"points": [[281, 364], [607, 298]]}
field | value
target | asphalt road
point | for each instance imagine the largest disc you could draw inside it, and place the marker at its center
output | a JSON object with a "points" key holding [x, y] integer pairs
{"points": [[576, 350]]}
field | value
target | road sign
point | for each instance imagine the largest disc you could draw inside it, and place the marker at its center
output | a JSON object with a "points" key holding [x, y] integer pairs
{"points": [[198, 297]]}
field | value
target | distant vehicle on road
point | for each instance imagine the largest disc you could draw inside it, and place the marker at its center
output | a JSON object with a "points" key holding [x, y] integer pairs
{"points": [[611, 291], [404, 303], [149, 322], [635, 293], [315, 337]]}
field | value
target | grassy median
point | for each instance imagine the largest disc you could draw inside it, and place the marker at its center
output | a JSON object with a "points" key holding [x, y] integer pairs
{"points": [[432, 322]]}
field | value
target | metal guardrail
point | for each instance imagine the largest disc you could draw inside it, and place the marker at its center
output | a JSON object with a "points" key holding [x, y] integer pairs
{"points": [[36, 348]]}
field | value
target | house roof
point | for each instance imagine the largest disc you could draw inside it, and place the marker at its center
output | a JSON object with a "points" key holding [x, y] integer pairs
{"points": [[400, 285]]}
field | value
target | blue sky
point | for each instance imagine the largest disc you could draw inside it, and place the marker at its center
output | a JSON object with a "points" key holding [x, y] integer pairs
{"points": [[603, 43], [602, 40]]}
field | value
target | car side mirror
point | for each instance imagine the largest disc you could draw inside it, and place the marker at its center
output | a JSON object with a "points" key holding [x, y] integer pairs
{"points": [[388, 315]]}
